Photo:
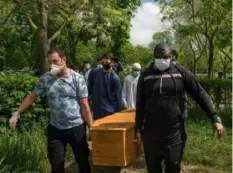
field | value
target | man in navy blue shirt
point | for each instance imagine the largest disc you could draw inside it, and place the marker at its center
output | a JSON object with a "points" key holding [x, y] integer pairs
{"points": [[105, 89]]}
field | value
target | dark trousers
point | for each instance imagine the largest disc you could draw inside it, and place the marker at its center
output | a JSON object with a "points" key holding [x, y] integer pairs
{"points": [[157, 152], [57, 141]]}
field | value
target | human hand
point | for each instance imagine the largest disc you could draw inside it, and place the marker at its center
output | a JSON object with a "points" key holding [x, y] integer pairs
{"points": [[219, 128], [126, 105], [14, 119], [139, 137]]}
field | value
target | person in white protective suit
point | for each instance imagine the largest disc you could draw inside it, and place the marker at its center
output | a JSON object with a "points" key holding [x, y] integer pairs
{"points": [[130, 87]]}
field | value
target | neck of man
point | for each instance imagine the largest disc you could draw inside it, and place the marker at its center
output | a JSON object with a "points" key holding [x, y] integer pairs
{"points": [[65, 71]]}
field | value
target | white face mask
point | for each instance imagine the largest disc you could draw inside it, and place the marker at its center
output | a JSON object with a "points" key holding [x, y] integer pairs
{"points": [[162, 64], [87, 66], [99, 66], [55, 69], [174, 62], [135, 73]]}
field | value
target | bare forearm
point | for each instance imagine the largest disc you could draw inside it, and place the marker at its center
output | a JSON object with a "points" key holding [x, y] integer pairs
{"points": [[27, 102], [86, 113]]}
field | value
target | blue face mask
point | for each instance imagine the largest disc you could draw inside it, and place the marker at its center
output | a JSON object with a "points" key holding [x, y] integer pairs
{"points": [[162, 64]]}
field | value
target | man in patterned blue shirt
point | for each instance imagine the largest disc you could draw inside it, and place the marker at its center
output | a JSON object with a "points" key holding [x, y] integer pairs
{"points": [[67, 96]]}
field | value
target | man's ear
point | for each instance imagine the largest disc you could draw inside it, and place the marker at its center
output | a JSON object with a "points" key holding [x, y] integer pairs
{"points": [[64, 59]]}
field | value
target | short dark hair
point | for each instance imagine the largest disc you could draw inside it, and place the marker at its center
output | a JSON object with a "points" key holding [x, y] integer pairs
{"points": [[98, 59], [57, 50], [162, 50], [174, 53], [108, 55]]}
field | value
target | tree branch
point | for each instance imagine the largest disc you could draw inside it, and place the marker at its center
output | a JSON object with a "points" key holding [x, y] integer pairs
{"points": [[32, 23], [57, 33], [66, 22], [230, 58], [191, 46], [201, 46], [8, 16]]}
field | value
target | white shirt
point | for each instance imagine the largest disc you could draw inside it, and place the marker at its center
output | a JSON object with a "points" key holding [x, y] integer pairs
{"points": [[130, 91], [85, 73]]}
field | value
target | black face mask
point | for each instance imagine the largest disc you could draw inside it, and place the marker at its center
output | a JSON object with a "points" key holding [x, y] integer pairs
{"points": [[107, 66]]}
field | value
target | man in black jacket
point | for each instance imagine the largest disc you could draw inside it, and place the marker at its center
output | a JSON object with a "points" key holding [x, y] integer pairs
{"points": [[158, 113]]}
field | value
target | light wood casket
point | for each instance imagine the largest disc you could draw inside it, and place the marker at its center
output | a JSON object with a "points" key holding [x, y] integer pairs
{"points": [[113, 141]]}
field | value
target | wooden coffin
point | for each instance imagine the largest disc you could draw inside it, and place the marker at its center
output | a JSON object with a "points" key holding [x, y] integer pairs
{"points": [[113, 140]]}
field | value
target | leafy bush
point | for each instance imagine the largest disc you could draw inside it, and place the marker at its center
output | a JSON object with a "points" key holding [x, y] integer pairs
{"points": [[13, 89], [220, 90]]}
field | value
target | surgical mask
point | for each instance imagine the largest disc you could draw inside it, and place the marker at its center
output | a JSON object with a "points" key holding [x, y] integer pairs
{"points": [[135, 73], [56, 69], [162, 64], [107, 66], [87, 66], [174, 62], [99, 66]]}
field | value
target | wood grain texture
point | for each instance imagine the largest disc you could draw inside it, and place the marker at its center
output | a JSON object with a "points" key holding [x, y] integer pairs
{"points": [[113, 140]]}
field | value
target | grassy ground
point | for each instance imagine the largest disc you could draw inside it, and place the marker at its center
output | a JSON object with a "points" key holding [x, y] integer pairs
{"points": [[20, 152], [204, 153]]}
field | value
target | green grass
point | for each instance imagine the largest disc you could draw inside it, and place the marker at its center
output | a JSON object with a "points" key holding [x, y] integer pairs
{"points": [[26, 152], [204, 153], [205, 149], [23, 152]]}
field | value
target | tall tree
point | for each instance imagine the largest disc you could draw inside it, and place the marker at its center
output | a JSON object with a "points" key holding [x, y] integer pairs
{"points": [[206, 17], [38, 13], [161, 37]]}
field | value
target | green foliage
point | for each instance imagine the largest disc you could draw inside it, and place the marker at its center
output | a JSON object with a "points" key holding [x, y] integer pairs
{"points": [[220, 90], [132, 54], [201, 29], [13, 89], [161, 37], [106, 23], [2, 63]]}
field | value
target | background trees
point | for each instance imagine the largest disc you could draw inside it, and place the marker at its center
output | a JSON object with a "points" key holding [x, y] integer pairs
{"points": [[200, 31], [203, 30]]}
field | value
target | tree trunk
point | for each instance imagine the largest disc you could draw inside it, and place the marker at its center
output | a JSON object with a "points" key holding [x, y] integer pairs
{"points": [[225, 71], [211, 59], [44, 47], [43, 38]]}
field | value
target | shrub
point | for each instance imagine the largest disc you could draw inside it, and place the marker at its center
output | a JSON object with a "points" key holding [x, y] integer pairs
{"points": [[13, 89], [220, 90]]}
